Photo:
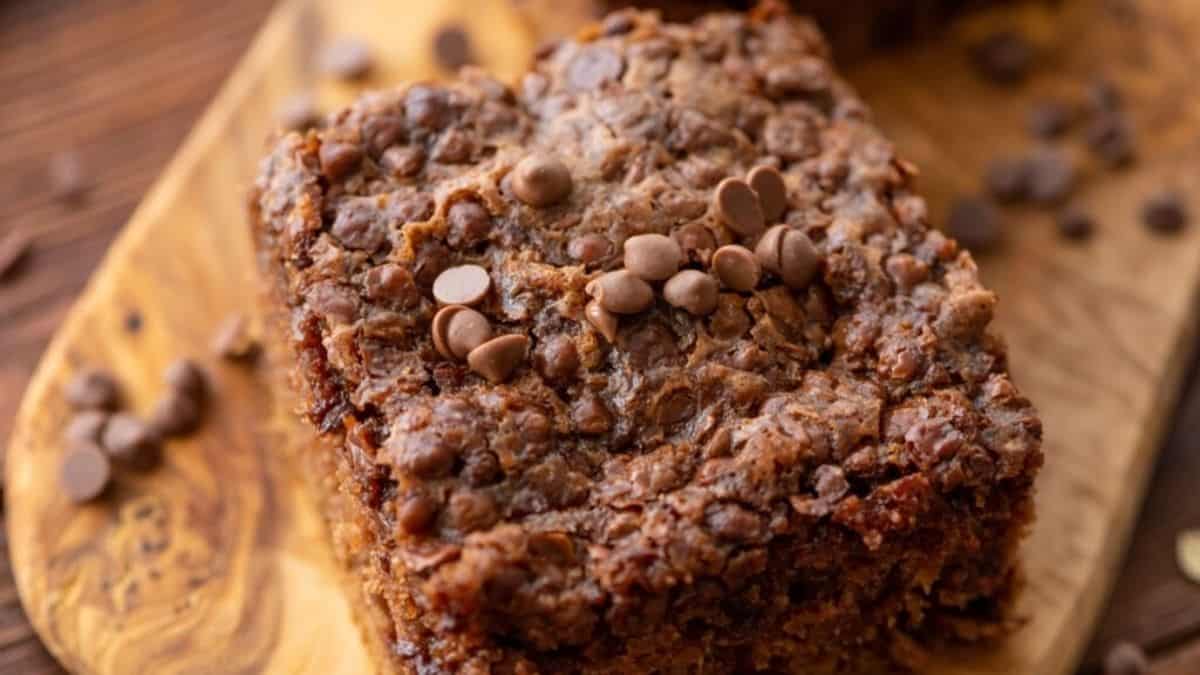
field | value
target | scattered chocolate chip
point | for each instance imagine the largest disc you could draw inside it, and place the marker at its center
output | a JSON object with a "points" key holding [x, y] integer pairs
{"points": [[1051, 176], [737, 268], [738, 206], [416, 514], [85, 473], [187, 376], [1007, 179], [693, 291], [176, 413], [233, 341], [907, 270], [789, 254], [130, 441], [768, 183], [593, 66], [1049, 119], [1004, 57], [68, 179], [462, 285], [830, 482], [556, 358], [14, 247], [617, 23], [621, 292], [975, 223], [1126, 658], [590, 415], [349, 58], [1075, 224], [653, 257], [1165, 213], [86, 426], [403, 160], [1103, 95], [1187, 554], [468, 222], [541, 180], [456, 330], [298, 112], [133, 321], [339, 158], [1110, 137], [452, 47], [589, 248], [603, 320], [497, 358], [93, 389]]}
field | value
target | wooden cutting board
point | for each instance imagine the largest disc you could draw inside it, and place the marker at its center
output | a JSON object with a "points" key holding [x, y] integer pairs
{"points": [[217, 562]]}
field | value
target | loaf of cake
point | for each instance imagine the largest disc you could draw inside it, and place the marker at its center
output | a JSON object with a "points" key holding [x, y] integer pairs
{"points": [[650, 363]]}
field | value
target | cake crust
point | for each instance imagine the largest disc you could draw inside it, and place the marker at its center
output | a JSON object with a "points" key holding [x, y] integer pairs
{"points": [[819, 467]]}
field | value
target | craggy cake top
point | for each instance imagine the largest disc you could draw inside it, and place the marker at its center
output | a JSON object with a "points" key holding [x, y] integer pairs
{"points": [[607, 337]]}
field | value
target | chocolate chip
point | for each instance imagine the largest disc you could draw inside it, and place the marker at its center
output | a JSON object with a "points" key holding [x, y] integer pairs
{"points": [[176, 413], [907, 270], [693, 291], [975, 223], [1051, 176], [557, 358], [617, 23], [737, 268], [1165, 213], [768, 183], [603, 320], [457, 330], [1126, 658], [349, 58], [797, 76], [1007, 179], [298, 112], [68, 179], [590, 415], [93, 389], [789, 254], [1004, 57], [403, 160], [621, 292], [382, 132], [593, 66], [452, 47], [233, 341], [462, 285], [1049, 119], [133, 321], [652, 257], [427, 107], [468, 222], [697, 242], [541, 180], [497, 358], [1075, 224], [1110, 137], [339, 158], [416, 514], [130, 441], [830, 482], [14, 247], [85, 473], [185, 375], [737, 205], [589, 248], [359, 225], [86, 426]]}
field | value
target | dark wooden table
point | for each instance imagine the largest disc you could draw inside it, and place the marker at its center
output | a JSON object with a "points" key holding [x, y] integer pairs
{"points": [[120, 82]]}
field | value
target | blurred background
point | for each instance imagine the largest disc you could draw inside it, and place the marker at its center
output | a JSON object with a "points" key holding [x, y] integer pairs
{"points": [[98, 95]]}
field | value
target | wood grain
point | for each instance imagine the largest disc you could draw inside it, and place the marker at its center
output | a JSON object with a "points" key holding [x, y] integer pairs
{"points": [[1138, 327]]}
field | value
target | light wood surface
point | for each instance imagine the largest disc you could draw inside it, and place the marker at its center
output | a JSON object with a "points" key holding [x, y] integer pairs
{"points": [[217, 562]]}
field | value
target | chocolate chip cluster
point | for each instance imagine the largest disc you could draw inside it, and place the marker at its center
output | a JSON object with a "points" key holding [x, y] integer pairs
{"points": [[744, 206]]}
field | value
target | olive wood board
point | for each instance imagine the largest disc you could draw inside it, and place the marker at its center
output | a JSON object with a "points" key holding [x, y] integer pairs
{"points": [[217, 562]]}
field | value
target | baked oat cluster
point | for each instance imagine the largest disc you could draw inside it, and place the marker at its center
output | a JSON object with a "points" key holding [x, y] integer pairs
{"points": [[651, 364]]}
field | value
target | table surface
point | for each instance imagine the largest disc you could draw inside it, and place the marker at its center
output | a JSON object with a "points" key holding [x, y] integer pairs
{"points": [[120, 82]]}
